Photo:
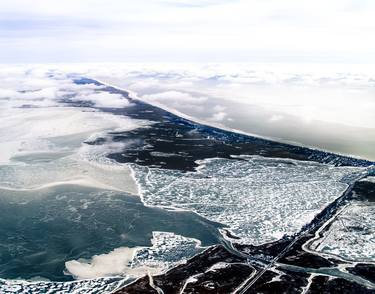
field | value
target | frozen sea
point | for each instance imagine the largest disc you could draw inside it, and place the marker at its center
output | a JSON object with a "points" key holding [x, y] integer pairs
{"points": [[98, 189]]}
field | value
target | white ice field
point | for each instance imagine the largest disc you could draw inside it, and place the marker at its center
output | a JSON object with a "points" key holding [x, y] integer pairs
{"points": [[351, 235], [259, 199]]}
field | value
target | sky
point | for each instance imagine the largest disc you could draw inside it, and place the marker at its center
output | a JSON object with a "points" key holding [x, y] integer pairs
{"points": [[335, 31]]}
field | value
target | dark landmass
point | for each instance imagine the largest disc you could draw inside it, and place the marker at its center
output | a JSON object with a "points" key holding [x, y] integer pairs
{"points": [[222, 279], [283, 282], [173, 142], [198, 276], [367, 271], [365, 190], [323, 284]]}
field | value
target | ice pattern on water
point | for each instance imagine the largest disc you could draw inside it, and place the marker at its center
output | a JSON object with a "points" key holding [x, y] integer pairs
{"points": [[259, 199], [352, 235], [95, 286], [168, 249], [76, 162]]}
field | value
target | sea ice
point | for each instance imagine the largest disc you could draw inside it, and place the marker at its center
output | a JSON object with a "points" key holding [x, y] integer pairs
{"points": [[352, 234], [259, 199], [94, 286], [168, 249]]}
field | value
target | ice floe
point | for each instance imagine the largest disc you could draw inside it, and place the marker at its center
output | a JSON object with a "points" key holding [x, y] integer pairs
{"points": [[94, 286], [168, 249], [259, 199], [352, 234]]}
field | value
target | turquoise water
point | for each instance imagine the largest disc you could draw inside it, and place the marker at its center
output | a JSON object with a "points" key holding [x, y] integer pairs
{"points": [[43, 229]]}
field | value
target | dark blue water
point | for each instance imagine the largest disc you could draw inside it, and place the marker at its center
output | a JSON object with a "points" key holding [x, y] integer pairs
{"points": [[41, 230]]}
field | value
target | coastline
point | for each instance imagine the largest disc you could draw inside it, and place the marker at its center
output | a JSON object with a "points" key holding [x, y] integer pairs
{"points": [[134, 95]]}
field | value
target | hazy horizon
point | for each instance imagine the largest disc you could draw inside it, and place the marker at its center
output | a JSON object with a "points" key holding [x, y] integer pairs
{"points": [[188, 31]]}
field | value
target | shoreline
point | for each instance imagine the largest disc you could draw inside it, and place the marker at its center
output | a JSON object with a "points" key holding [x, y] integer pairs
{"points": [[134, 95]]}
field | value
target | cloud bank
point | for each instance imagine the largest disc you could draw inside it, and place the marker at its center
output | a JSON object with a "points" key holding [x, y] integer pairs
{"points": [[174, 30], [41, 135]]}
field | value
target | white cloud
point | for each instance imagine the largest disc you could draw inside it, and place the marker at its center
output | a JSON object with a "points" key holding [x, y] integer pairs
{"points": [[335, 94], [174, 96], [276, 118], [218, 116], [184, 30], [103, 99], [218, 108], [7, 93], [116, 262]]}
